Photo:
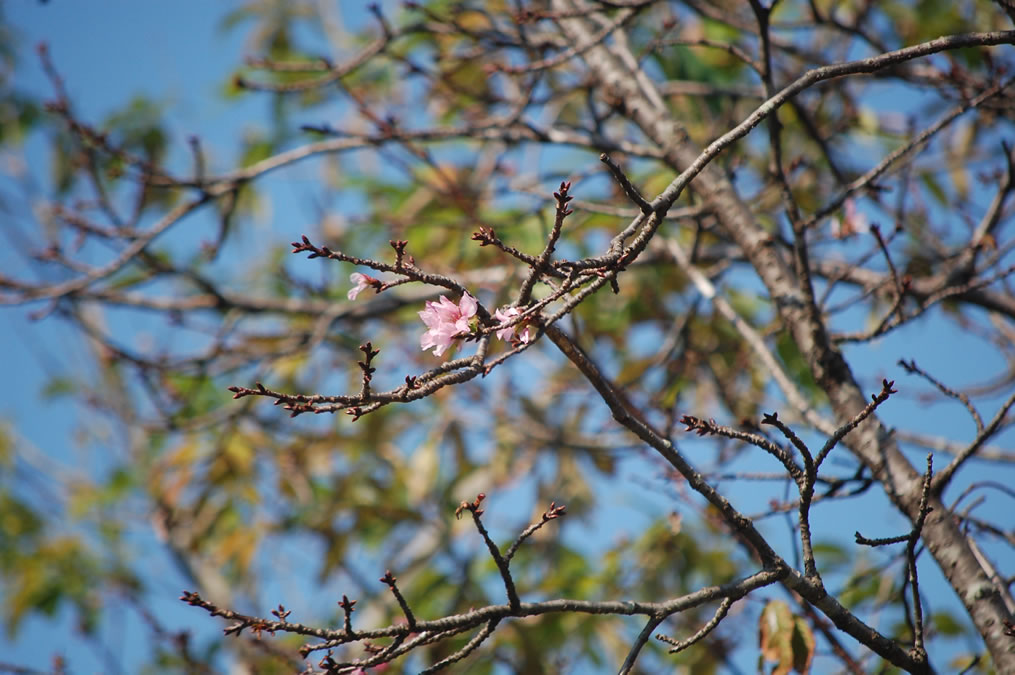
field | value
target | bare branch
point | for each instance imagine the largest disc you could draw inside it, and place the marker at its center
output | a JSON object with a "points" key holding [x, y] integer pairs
{"points": [[681, 645]]}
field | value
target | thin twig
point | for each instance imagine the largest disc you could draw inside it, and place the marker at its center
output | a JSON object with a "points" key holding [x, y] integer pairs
{"points": [[629, 189], [806, 485], [501, 562], [643, 637], [392, 583], [840, 433], [901, 283], [469, 647], [911, 368], [704, 427], [551, 513], [914, 537], [681, 645], [539, 267], [945, 475]]}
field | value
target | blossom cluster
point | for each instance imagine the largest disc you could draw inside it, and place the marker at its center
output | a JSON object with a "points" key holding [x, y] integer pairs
{"points": [[510, 333], [446, 321]]}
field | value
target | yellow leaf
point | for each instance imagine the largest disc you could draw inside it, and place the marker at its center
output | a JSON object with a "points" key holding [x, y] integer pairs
{"points": [[240, 453], [422, 471], [785, 639]]}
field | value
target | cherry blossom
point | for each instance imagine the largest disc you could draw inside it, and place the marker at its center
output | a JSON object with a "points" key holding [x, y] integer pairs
{"points": [[853, 221], [361, 281], [511, 332], [445, 321]]}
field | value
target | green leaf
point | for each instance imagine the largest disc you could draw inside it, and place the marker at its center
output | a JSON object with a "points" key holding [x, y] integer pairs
{"points": [[137, 127], [18, 522], [932, 185], [948, 624], [58, 387], [6, 447]]}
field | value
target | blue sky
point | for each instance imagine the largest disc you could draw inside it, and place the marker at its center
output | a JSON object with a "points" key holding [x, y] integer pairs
{"points": [[176, 53]]}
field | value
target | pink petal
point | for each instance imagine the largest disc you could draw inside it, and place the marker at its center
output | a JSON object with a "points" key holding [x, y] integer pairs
{"points": [[504, 315], [440, 346], [430, 316], [426, 341], [446, 310], [361, 281], [468, 305], [445, 331]]}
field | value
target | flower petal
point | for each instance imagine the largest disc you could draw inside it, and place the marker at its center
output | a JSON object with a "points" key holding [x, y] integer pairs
{"points": [[467, 306], [361, 281]]}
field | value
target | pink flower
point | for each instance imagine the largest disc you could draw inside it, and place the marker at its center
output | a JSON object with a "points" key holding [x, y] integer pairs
{"points": [[510, 333], [361, 281], [852, 222], [445, 321]]}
